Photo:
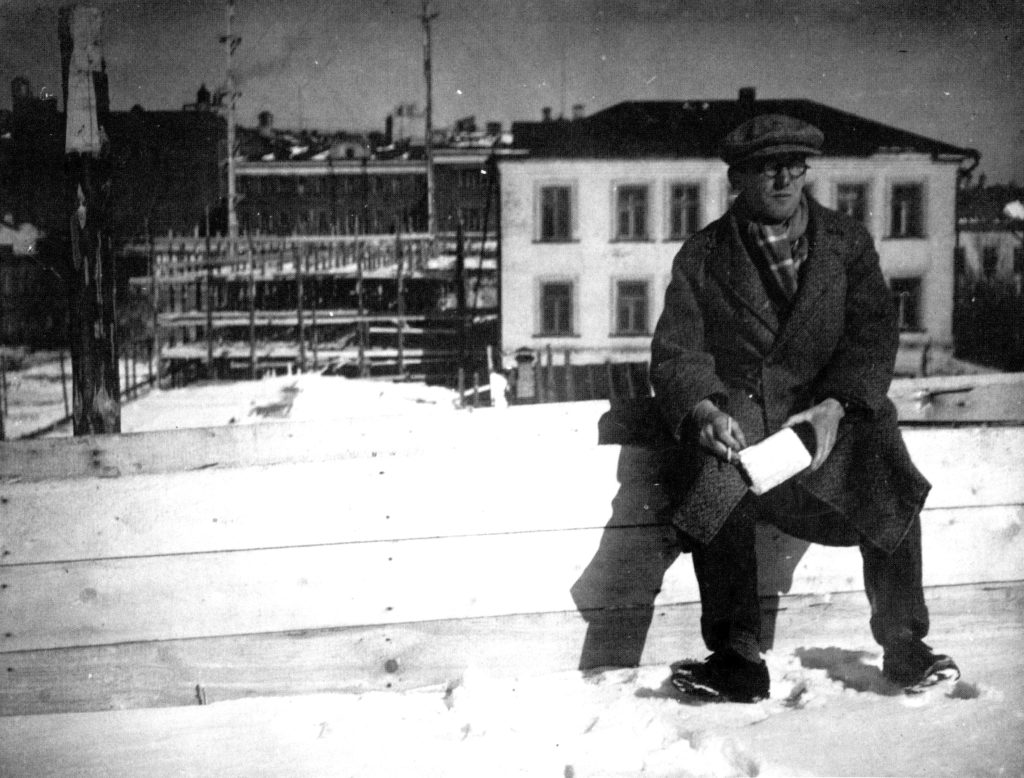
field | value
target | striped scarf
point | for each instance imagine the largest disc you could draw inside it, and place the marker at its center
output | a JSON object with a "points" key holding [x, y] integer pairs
{"points": [[783, 246]]}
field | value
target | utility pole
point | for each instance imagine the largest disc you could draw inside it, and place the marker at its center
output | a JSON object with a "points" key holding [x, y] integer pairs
{"points": [[426, 17], [231, 42], [87, 173]]}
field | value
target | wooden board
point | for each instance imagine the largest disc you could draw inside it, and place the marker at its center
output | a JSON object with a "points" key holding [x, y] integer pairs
{"points": [[278, 442], [985, 398], [341, 501], [414, 655], [450, 492], [96, 602]]}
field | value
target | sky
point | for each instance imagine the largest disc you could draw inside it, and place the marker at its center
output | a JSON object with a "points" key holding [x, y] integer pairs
{"points": [[947, 69]]}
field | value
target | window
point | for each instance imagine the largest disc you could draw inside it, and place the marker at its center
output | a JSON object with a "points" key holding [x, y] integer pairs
{"points": [[684, 210], [906, 295], [631, 212], [852, 200], [556, 316], [1018, 260], [555, 213], [906, 218], [631, 306], [323, 224]]}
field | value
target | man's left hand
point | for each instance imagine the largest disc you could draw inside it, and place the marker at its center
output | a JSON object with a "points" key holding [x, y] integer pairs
{"points": [[824, 418]]}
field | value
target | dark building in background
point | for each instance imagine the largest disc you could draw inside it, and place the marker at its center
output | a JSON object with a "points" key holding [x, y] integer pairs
{"points": [[165, 175], [343, 183], [989, 302]]}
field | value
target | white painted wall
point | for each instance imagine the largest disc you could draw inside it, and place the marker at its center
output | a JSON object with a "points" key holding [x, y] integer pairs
{"points": [[593, 260]]}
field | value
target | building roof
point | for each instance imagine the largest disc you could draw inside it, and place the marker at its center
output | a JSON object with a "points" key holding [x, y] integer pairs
{"points": [[694, 128]]}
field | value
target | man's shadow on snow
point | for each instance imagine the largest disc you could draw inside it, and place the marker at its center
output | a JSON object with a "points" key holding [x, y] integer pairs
{"points": [[616, 592]]}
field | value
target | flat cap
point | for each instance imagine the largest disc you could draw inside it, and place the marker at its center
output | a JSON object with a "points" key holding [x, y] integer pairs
{"points": [[770, 135]]}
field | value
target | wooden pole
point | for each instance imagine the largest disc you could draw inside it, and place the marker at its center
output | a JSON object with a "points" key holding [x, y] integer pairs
{"points": [[315, 281], [3, 394], [549, 375], [87, 169], [64, 384], [570, 379], [630, 386], [154, 296], [252, 312], [539, 378], [460, 291], [209, 299], [426, 17], [364, 369], [400, 303], [299, 305]]}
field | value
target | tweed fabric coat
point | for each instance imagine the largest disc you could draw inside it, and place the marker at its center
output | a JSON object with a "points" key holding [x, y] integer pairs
{"points": [[720, 336]]}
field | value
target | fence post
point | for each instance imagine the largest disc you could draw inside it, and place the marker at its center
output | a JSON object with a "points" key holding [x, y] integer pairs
{"points": [[549, 376], [570, 378], [252, 312], [154, 297], [630, 387], [315, 281], [209, 299], [299, 310]]}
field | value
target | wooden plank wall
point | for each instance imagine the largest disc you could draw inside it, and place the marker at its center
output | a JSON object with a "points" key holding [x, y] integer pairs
{"points": [[287, 558]]}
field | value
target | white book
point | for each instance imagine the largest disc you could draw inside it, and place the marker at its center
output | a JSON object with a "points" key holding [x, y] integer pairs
{"points": [[774, 460]]}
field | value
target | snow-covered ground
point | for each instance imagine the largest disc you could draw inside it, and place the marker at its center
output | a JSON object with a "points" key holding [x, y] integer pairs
{"points": [[35, 400], [830, 714]]}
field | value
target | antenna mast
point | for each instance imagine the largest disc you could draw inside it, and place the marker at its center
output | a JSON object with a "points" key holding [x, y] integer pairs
{"points": [[230, 41], [426, 17]]}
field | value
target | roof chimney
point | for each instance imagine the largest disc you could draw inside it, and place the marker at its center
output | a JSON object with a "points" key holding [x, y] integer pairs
{"points": [[577, 111], [545, 113], [747, 96]]}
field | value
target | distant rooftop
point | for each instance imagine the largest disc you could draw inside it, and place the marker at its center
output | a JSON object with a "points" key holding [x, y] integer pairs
{"points": [[694, 128]]}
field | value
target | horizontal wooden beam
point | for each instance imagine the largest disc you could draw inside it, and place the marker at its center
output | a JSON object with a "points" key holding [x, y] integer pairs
{"points": [[114, 600], [447, 491], [562, 424], [416, 655]]}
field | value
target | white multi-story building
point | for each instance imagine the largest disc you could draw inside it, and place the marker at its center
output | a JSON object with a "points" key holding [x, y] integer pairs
{"points": [[595, 210]]}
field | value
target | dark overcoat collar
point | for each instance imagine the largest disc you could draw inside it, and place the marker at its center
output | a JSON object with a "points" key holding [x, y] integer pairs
{"points": [[733, 267]]}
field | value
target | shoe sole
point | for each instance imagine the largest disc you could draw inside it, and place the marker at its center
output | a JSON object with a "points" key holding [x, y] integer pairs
{"points": [[693, 688], [943, 670]]}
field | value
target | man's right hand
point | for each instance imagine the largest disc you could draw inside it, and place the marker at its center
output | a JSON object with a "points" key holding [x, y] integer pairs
{"points": [[717, 432]]}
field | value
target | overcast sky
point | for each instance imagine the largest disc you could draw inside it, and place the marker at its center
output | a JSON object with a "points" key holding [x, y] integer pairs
{"points": [[948, 70]]}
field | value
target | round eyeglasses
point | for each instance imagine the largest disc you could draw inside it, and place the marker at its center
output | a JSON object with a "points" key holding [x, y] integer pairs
{"points": [[772, 170]]}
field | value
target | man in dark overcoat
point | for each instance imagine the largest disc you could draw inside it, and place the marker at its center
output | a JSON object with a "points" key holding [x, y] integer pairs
{"points": [[777, 314]]}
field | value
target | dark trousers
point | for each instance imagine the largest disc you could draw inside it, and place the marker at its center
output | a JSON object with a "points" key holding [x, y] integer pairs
{"points": [[726, 571]]}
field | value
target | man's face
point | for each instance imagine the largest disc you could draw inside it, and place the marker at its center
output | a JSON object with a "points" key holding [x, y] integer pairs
{"points": [[770, 188]]}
